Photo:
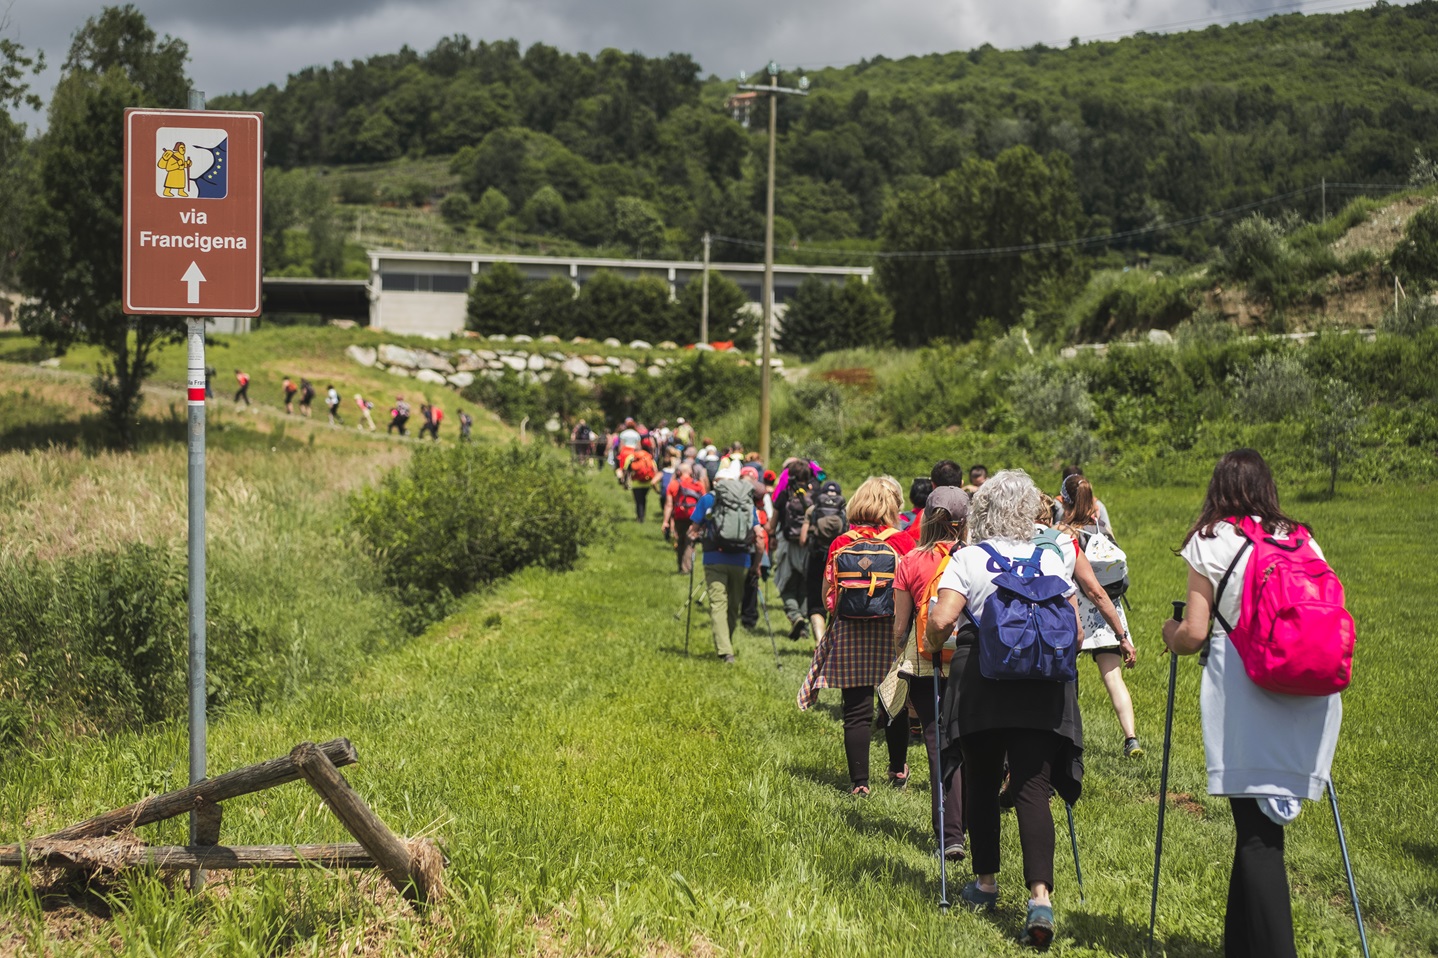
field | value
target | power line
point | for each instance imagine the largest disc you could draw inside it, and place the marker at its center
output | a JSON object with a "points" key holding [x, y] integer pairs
{"points": [[1079, 242]]}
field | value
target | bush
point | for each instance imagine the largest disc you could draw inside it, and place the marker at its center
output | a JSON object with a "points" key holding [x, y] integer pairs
{"points": [[461, 516], [512, 396], [457, 210], [105, 636], [1415, 259]]}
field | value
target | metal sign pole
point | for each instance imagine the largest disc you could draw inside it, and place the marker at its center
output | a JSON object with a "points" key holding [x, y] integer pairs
{"points": [[195, 399]]}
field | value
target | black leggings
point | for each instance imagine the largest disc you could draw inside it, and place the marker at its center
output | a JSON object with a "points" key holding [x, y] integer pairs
{"points": [[1259, 921], [1031, 754], [858, 720], [641, 501], [921, 693]]}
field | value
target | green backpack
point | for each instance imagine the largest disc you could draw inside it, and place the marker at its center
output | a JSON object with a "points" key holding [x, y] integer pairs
{"points": [[730, 526]]}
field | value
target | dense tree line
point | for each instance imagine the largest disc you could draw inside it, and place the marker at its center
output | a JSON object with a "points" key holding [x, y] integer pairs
{"points": [[1155, 127]]}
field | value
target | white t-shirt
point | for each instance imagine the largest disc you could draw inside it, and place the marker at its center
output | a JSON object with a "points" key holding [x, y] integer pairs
{"points": [[629, 438], [971, 575], [1257, 742]]}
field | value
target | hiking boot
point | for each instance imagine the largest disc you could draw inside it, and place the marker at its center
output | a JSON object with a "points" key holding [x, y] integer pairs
{"points": [[797, 630], [1131, 748], [727, 659], [976, 898], [1038, 927], [955, 852]]}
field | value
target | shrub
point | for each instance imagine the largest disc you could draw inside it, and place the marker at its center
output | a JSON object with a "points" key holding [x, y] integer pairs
{"points": [[1275, 387], [456, 209], [1415, 259], [461, 516], [492, 208]]}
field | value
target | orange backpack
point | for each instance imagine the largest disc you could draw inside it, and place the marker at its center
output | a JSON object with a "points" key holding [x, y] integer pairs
{"points": [[921, 606], [641, 466]]}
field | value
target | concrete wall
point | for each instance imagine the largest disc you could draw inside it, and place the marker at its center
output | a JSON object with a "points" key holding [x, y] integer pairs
{"points": [[421, 314]]}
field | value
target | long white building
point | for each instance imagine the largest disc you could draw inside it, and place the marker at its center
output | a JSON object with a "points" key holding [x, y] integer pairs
{"points": [[425, 293]]}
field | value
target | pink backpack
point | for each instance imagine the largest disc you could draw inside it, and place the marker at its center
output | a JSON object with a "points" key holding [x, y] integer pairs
{"points": [[1293, 633]]}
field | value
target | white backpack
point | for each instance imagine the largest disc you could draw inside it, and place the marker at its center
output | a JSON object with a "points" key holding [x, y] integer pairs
{"points": [[1110, 563]]}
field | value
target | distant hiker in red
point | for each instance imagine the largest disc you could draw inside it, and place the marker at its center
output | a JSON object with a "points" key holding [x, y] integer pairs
{"points": [[244, 391], [290, 390], [432, 416]]}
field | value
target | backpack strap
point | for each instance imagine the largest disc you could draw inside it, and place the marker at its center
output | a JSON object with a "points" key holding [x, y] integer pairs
{"points": [[1004, 565], [1223, 583], [884, 536]]}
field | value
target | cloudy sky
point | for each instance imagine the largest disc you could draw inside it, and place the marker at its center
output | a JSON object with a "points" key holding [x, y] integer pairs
{"points": [[243, 44]]}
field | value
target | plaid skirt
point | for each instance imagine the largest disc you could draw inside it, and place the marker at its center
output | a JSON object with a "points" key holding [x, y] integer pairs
{"points": [[852, 654]]}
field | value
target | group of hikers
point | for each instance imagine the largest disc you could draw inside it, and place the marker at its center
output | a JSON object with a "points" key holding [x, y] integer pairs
{"points": [[966, 616], [399, 413]]}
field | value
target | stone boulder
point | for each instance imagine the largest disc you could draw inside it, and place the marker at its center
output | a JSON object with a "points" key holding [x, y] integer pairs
{"points": [[704, 346], [470, 363], [486, 354], [640, 344], [397, 371], [495, 364], [521, 338], [1160, 337], [430, 376], [557, 356], [654, 370], [498, 338], [628, 367], [593, 360], [392, 355], [514, 363], [549, 339], [667, 344], [534, 363], [576, 367], [612, 343], [581, 340], [363, 355], [434, 362], [612, 361], [460, 380]]}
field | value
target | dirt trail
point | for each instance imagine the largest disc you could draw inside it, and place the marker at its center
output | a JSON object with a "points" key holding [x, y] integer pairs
{"points": [[1382, 230]]}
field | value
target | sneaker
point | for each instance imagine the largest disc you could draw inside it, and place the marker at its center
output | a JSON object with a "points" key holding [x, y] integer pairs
{"points": [[1131, 748], [978, 899], [1038, 927], [955, 853], [727, 659], [797, 630]]}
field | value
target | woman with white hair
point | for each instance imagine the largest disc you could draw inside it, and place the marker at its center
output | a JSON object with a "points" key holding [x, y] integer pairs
{"points": [[1035, 723]]}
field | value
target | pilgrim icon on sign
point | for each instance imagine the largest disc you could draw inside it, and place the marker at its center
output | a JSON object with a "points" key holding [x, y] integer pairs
{"points": [[191, 163]]}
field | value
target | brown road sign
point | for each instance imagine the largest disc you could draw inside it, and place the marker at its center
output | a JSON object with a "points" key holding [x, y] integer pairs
{"points": [[192, 212]]}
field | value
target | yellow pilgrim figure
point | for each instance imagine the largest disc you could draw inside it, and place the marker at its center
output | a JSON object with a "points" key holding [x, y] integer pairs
{"points": [[177, 170]]}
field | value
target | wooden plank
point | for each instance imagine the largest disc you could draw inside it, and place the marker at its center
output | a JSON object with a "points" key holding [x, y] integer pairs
{"points": [[410, 873], [90, 855], [242, 781], [204, 830]]}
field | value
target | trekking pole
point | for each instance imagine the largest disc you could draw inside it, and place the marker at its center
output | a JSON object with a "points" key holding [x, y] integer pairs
{"points": [[1348, 867], [764, 604], [939, 790], [1178, 608], [689, 604], [1073, 840]]}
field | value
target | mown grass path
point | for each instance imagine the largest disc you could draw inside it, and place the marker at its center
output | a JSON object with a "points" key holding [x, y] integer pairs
{"points": [[601, 793]]}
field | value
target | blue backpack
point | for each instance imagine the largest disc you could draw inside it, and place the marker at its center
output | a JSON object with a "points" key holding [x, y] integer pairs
{"points": [[1028, 630]]}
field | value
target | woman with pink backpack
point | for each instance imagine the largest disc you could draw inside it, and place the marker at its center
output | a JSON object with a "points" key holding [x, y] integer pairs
{"points": [[1269, 734]]}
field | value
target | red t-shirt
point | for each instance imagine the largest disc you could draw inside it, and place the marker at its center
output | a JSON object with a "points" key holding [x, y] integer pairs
{"points": [[916, 572]]}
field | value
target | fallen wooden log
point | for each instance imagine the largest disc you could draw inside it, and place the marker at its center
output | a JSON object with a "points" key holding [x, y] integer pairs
{"points": [[415, 869], [242, 781], [107, 854]]}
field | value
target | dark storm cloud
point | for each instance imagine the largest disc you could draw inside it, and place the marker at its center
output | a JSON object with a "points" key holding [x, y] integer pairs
{"points": [[244, 44]]}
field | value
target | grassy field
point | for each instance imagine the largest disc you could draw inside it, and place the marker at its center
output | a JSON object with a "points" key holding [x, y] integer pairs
{"points": [[601, 793]]}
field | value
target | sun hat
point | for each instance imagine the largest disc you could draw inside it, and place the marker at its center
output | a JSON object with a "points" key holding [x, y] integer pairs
{"points": [[728, 470]]}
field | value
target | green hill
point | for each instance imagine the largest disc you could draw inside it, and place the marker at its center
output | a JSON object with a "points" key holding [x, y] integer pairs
{"points": [[544, 144]]}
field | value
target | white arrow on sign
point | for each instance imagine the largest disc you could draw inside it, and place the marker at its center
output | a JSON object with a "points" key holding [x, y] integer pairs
{"points": [[193, 277]]}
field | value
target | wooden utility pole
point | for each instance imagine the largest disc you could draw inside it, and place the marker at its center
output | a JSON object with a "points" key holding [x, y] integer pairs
{"points": [[765, 373], [704, 303]]}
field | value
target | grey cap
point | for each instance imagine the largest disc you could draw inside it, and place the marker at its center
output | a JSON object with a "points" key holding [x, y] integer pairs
{"points": [[951, 499]]}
